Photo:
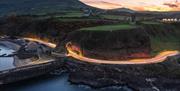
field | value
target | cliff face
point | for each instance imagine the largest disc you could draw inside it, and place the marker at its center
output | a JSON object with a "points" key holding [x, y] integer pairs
{"points": [[163, 76], [122, 44], [161, 30]]}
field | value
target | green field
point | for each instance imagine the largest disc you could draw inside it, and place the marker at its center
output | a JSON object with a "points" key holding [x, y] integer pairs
{"points": [[73, 14], [75, 19], [151, 23], [110, 27], [118, 17]]}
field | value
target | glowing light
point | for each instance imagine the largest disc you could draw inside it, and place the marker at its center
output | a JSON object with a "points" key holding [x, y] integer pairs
{"points": [[52, 45], [76, 49], [159, 58]]}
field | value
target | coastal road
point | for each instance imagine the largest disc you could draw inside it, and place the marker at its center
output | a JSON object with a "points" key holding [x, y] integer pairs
{"points": [[159, 58]]}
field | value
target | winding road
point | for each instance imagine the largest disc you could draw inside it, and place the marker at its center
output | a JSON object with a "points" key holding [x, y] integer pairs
{"points": [[159, 58]]}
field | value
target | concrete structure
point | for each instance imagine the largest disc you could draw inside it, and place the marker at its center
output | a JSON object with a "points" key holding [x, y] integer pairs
{"points": [[25, 72]]}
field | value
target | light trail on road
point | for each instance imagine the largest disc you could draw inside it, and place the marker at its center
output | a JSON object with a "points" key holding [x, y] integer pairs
{"points": [[52, 45], [157, 59]]}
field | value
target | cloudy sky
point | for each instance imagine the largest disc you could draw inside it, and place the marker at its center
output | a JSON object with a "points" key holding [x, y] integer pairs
{"points": [[140, 5]]}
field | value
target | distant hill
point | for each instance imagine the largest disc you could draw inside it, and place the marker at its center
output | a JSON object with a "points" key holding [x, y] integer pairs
{"points": [[38, 6], [124, 10]]}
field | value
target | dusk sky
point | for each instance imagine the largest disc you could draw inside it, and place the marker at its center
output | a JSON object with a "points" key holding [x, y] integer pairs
{"points": [[140, 5]]}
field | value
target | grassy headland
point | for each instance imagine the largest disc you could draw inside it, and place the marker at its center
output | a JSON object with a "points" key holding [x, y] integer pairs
{"points": [[163, 36], [110, 27]]}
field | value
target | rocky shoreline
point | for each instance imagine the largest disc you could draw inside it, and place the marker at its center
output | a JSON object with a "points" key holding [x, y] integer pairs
{"points": [[152, 77]]}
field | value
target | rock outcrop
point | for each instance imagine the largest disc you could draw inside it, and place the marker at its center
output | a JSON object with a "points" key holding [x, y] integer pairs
{"points": [[122, 44], [151, 77]]}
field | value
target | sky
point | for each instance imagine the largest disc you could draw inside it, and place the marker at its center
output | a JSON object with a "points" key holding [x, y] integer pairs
{"points": [[139, 5]]}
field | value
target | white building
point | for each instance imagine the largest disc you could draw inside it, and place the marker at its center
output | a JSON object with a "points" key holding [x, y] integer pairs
{"points": [[170, 20]]}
